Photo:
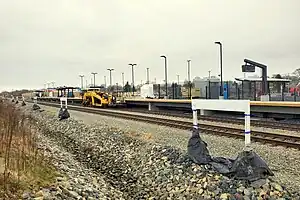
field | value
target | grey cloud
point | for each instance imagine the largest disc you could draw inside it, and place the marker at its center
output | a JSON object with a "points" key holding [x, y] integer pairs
{"points": [[45, 40]]}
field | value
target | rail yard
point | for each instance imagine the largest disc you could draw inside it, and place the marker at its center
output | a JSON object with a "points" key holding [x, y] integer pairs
{"points": [[149, 100], [161, 130]]}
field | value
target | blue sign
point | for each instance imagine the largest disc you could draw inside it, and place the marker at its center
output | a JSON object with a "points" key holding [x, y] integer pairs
{"points": [[225, 91]]}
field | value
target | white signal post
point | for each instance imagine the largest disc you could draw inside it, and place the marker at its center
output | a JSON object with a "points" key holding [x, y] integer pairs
{"points": [[63, 99], [35, 100], [224, 105]]}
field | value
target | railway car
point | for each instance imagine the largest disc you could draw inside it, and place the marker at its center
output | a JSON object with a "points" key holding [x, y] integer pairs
{"points": [[96, 97]]}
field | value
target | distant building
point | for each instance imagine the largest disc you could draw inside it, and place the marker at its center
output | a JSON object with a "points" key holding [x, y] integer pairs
{"points": [[209, 87]]}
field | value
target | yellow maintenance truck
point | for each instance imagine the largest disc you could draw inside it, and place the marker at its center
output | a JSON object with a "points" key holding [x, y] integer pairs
{"points": [[97, 97]]}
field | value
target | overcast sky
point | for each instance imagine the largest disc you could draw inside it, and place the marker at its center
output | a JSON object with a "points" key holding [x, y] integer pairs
{"points": [[57, 40]]}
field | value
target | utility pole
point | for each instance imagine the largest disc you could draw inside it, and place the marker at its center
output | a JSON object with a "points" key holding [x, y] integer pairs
{"points": [[132, 74], [209, 74], [81, 77], [166, 76], [94, 73], [147, 75], [177, 79]]}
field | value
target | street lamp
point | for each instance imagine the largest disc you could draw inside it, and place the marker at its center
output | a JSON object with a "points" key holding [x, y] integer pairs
{"points": [[123, 80], [132, 65], [81, 77], [147, 75], [177, 79], [189, 77], [94, 73], [53, 84], [166, 76], [221, 67], [110, 69], [110, 83]]}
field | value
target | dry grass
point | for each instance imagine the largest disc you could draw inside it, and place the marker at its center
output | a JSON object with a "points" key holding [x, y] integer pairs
{"points": [[22, 165]]}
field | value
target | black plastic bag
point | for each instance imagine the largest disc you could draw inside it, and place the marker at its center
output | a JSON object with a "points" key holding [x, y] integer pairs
{"points": [[197, 149], [36, 107], [247, 166], [63, 114], [221, 164]]}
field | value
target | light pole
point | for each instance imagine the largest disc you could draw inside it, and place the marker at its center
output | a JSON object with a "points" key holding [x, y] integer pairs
{"points": [[52, 84], [94, 73], [209, 94], [110, 83], [105, 82], [123, 80], [189, 77], [166, 76], [147, 75], [81, 77], [221, 67], [132, 65], [177, 79]]}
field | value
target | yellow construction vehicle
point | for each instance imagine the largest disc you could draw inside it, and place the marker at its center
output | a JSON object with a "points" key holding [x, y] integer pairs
{"points": [[96, 97]]}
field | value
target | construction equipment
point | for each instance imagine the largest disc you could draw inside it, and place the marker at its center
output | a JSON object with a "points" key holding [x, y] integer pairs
{"points": [[97, 97]]}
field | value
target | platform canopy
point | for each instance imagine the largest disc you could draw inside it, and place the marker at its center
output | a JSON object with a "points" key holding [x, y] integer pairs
{"points": [[257, 79], [65, 88]]}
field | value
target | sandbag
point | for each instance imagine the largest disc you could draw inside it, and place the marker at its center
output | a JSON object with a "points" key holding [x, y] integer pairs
{"points": [[36, 107], [247, 166], [64, 114], [197, 149]]}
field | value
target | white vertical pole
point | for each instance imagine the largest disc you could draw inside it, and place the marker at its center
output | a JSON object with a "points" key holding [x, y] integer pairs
{"points": [[195, 119], [35, 100], [201, 112], [61, 103], [149, 106], [66, 102], [247, 128]]}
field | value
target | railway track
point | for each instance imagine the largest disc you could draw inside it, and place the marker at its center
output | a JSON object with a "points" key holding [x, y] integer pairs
{"points": [[224, 119], [231, 120], [258, 136]]}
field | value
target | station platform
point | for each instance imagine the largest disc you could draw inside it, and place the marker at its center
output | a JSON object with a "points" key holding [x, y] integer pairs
{"points": [[268, 109]]}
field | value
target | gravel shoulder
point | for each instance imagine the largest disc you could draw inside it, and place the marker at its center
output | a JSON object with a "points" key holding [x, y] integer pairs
{"points": [[284, 162]]}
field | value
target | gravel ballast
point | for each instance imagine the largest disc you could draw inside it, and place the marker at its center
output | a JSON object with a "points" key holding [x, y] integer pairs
{"points": [[151, 167]]}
